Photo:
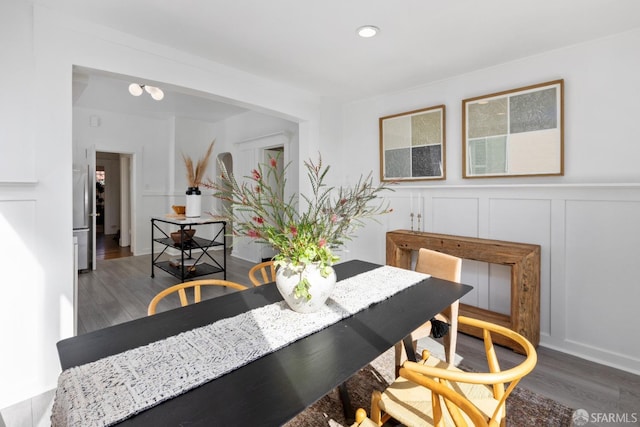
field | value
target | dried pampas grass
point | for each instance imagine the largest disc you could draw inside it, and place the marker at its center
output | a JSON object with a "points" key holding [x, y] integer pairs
{"points": [[196, 175]]}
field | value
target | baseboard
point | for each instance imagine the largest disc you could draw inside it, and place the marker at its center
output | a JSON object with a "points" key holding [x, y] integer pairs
{"points": [[33, 412]]}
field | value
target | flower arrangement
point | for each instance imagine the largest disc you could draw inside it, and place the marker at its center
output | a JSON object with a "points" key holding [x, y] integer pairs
{"points": [[260, 211], [195, 174]]}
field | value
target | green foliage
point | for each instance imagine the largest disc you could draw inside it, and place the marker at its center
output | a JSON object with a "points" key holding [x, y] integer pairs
{"points": [[332, 215]]}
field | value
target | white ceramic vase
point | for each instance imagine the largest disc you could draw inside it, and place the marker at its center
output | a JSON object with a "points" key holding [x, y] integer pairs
{"points": [[194, 203], [320, 287]]}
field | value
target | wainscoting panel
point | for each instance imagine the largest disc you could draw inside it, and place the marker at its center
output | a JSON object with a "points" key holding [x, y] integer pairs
{"points": [[603, 275], [525, 221], [589, 235], [152, 205], [22, 290], [459, 216], [499, 289], [18, 227]]}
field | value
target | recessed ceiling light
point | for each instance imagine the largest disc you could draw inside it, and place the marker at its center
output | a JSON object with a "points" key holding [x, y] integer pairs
{"points": [[367, 31]]}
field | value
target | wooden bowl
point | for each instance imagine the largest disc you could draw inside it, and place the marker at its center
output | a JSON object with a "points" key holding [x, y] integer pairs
{"points": [[179, 210], [183, 237]]}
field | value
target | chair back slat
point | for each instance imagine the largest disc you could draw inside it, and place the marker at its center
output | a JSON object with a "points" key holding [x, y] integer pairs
{"points": [[263, 273], [180, 289]]}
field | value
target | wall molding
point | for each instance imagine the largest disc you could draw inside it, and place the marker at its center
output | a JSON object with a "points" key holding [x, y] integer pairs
{"points": [[621, 185]]}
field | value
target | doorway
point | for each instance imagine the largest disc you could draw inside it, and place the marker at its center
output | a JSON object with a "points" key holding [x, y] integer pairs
{"points": [[112, 231]]}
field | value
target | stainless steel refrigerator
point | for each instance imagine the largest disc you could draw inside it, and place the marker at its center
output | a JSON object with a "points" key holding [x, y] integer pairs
{"points": [[81, 216]]}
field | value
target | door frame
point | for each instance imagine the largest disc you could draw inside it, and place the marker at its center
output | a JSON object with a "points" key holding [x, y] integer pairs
{"points": [[129, 188]]}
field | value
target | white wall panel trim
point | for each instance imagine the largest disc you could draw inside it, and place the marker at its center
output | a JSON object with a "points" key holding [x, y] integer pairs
{"points": [[560, 186], [597, 355]]}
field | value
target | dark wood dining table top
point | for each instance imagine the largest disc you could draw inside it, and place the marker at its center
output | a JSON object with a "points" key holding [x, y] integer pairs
{"points": [[275, 388]]}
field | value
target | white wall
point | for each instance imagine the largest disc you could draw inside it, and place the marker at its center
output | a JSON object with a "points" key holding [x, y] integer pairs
{"points": [[586, 221], [157, 146], [36, 163], [192, 138], [589, 233], [247, 136], [150, 141], [17, 135], [248, 154]]}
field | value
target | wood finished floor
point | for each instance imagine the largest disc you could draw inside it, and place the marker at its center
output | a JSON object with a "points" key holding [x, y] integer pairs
{"points": [[120, 290], [107, 247]]}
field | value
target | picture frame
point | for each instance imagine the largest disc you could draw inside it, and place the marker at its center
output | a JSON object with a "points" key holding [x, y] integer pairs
{"points": [[518, 132], [412, 145]]}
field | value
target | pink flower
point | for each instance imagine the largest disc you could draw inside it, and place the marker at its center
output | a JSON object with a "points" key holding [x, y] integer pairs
{"points": [[334, 218], [253, 233], [258, 219], [321, 243], [272, 162], [255, 174], [293, 230]]}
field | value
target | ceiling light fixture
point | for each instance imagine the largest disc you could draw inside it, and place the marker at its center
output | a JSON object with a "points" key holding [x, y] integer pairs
{"points": [[367, 31], [136, 89]]}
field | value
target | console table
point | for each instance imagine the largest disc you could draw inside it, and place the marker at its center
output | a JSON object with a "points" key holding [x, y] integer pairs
{"points": [[523, 258], [189, 265]]}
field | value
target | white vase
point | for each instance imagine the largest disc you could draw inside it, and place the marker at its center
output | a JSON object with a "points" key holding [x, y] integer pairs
{"points": [[194, 203], [320, 287]]}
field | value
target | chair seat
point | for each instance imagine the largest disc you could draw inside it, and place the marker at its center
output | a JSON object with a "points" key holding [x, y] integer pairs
{"points": [[410, 403], [465, 398]]}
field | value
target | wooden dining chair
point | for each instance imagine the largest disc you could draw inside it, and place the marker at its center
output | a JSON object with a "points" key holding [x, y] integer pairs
{"points": [[362, 420], [446, 267], [180, 288], [432, 392], [262, 273]]}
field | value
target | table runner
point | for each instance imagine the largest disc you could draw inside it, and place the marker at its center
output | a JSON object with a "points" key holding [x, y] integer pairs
{"points": [[114, 388]]}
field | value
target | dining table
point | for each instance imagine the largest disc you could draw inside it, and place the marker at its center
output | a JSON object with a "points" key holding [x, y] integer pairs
{"points": [[274, 388]]}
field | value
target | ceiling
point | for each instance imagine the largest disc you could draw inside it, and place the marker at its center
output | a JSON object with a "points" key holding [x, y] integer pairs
{"points": [[110, 92], [313, 44]]}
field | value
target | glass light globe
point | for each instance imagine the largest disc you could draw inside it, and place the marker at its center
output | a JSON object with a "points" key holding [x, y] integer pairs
{"points": [[156, 93], [135, 89]]}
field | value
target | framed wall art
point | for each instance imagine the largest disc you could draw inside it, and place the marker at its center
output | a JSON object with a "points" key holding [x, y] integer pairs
{"points": [[517, 132], [412, 145]]}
